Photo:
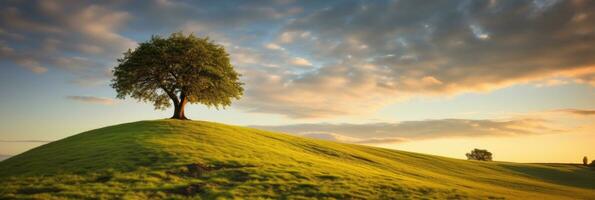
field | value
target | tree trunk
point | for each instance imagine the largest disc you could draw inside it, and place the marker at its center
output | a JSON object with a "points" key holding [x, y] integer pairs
{"points": [[179, 108]]}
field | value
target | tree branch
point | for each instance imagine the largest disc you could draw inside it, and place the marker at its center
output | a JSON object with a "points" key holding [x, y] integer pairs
{"points": [[171, 94]]}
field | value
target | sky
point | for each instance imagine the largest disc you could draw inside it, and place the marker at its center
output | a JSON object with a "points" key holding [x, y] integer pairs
{"points": [[438, 77]]}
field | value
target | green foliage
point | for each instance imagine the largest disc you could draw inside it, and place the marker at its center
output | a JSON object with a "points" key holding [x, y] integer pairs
{"points": [[179, 68], [479, 154], [149, 160]]}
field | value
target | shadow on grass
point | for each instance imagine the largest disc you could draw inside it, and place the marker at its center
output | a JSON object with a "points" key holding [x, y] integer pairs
{"points": [[570, 175]]}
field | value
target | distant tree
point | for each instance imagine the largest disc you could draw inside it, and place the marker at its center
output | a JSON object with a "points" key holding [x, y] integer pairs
{"points": [[585, 161], [177, 70], [479, 154]]}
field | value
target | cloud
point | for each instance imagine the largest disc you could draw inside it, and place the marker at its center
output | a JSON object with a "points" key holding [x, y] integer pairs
{"points": [[381, 141], [32, 65], [14, 18], [586, 78], [576, 111], [479, 32], [330, 91], [374, 133], [77, 38], [300, 62], [379, 53], [341, 138], [93, 100], [26, 141], [330, 137], [551, 82], [99, 24], [73, 64], [273, 46]]}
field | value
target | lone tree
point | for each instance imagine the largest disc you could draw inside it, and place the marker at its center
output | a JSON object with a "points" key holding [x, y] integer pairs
{"points": [[479, 154], [177, 70], [585, 161]]}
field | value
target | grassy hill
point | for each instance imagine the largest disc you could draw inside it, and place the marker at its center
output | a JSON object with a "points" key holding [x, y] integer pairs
{"points": [[205, 160]]}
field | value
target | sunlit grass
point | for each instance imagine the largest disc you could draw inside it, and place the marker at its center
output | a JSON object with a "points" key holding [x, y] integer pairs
{"points": [[148, 159]]}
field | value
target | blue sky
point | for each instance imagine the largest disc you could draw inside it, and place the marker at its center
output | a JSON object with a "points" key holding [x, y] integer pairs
{"points": [[485, 72]]}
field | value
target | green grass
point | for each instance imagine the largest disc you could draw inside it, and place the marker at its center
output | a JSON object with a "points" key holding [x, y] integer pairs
{"points": [[147, 159]]}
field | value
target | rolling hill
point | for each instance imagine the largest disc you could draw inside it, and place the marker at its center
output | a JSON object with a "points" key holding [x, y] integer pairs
{"points": [[204, 160]]}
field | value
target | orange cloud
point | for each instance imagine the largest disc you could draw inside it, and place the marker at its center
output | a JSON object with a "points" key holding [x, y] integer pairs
{"points": [[93, 100], [375, 133]]}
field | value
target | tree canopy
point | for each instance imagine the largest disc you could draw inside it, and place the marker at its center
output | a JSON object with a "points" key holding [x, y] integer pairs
{"points": [[479, 154], [177, 70]]}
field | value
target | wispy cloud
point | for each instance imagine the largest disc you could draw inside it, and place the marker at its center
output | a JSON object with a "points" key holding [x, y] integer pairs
{"points": [[93, 100], [300, 62], [576, 111], [381, 141], [373, 133], [342, 138], [26, 141], [273, 46], [32, 65]]}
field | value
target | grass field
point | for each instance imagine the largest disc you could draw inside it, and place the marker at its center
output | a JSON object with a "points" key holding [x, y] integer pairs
{"points": [[204, 160]]}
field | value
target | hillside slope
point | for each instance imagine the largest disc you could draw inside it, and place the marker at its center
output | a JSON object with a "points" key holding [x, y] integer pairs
{"points": [[204, 160]]}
